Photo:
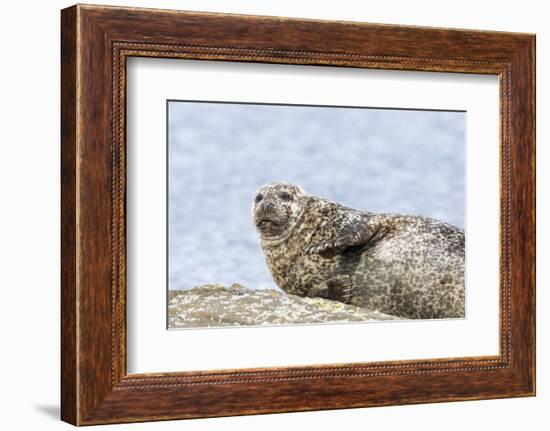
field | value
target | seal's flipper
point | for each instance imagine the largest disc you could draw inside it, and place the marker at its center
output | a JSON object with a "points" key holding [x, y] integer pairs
{"points": [[352, 235], [336, 288]]}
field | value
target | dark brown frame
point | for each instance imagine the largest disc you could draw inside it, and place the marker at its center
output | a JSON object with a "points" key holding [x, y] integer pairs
{"points": [[96, 41]]}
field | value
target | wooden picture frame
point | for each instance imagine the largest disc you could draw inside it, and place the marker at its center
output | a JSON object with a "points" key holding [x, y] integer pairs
{"points": [[95, 43]]}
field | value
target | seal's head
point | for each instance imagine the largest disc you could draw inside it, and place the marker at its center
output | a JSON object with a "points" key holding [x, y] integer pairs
{"points": [[276, 210]]}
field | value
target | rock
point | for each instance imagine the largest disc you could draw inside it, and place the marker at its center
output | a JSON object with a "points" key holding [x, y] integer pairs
{"points": [[215, 305]]}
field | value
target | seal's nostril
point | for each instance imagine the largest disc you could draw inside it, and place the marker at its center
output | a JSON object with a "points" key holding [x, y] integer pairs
{"points": [[266, 207]]}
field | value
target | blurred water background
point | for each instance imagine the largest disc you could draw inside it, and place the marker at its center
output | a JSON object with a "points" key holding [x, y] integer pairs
{"points": [[377, 160]]}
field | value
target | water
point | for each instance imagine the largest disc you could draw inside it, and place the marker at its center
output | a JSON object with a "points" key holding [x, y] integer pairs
{"points": [[371, 159]]}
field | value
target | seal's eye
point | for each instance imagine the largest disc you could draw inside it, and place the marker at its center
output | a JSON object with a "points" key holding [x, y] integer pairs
{"points": [[258, 198], [285, 196]]}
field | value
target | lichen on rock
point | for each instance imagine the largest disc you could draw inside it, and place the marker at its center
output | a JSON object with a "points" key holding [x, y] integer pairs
{"points": [[216, 305]]}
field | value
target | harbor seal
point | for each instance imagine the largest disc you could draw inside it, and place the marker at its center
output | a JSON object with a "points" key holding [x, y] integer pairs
{"points": [[405, 265]]}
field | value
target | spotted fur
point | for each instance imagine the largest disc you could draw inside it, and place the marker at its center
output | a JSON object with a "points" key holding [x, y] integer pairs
{"points": [[405, 265]]}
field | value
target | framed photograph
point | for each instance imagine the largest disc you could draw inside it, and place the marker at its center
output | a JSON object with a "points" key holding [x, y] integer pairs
{"points": [[264, 214]]}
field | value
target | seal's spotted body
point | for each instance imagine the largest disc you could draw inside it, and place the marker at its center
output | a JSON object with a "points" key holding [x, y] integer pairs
{"points": [[408, 266]]}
